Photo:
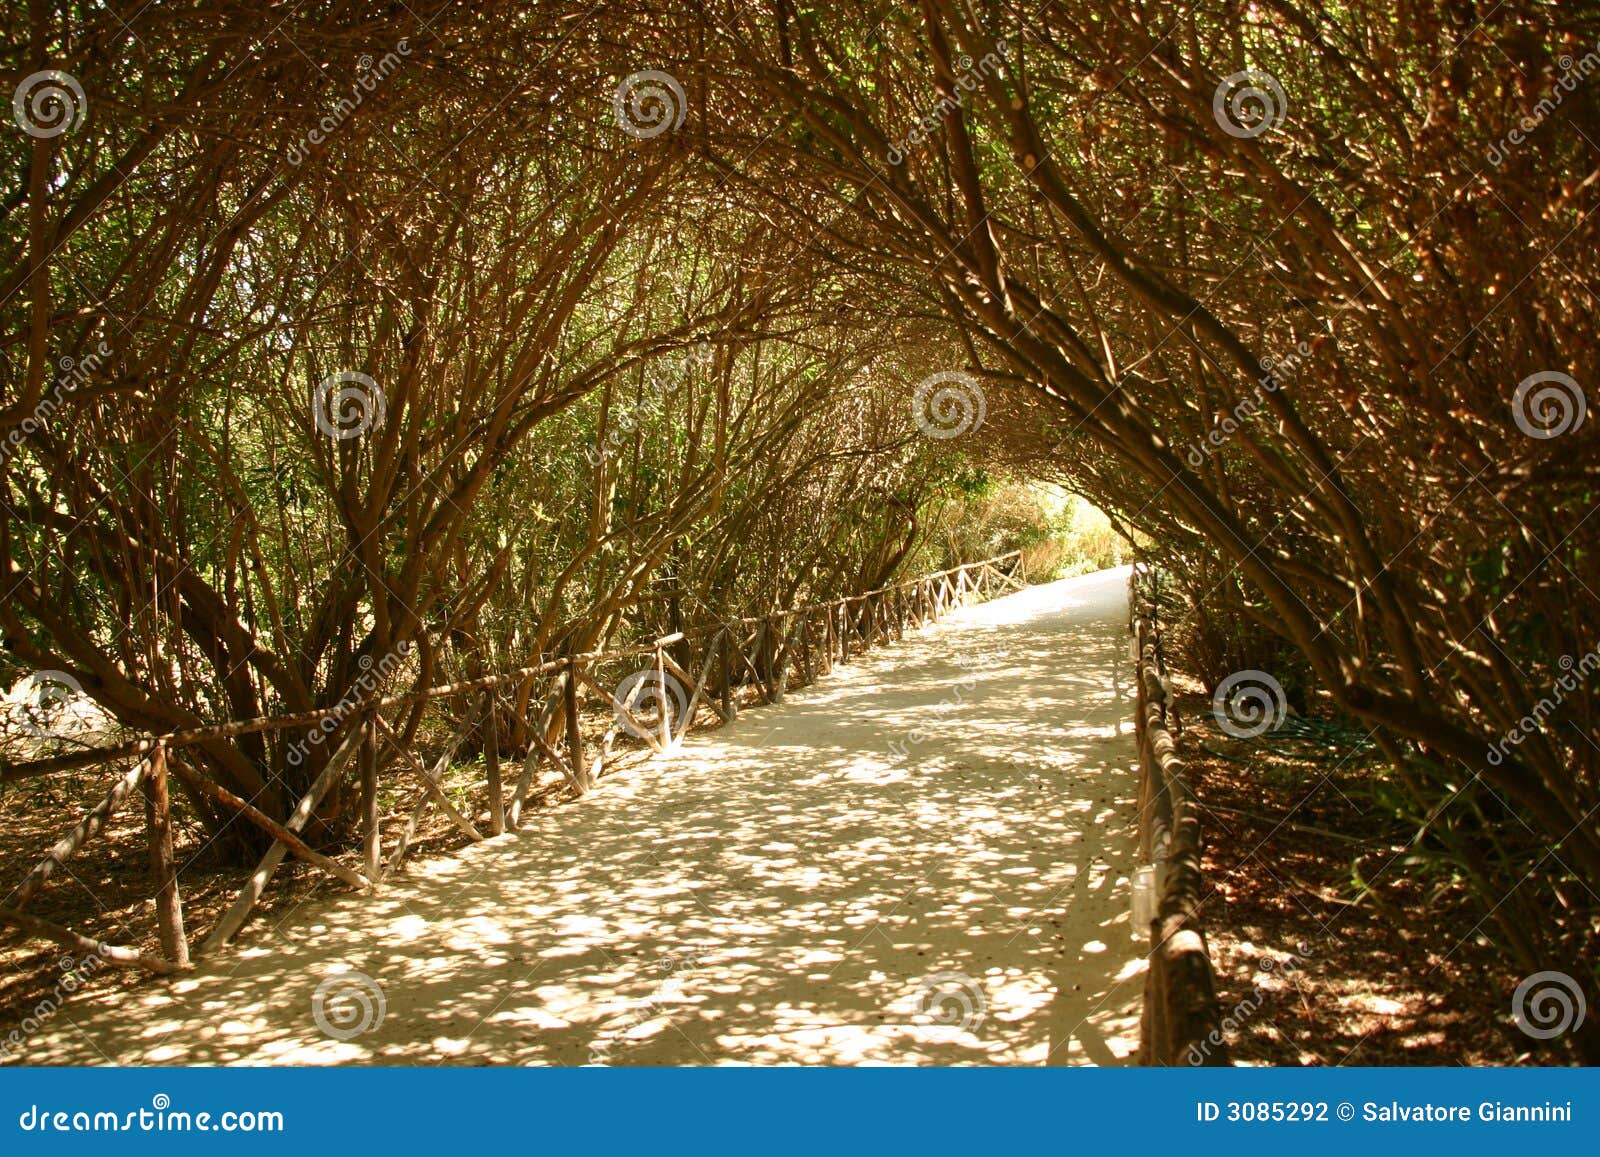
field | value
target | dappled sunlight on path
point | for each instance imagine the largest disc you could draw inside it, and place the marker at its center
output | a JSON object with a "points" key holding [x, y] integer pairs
{"points": [[922, 859]]}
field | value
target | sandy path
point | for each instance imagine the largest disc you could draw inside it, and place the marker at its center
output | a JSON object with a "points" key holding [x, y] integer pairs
{"points": [[940, 830]]}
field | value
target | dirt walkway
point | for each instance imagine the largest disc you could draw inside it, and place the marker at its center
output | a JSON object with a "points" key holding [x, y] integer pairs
{"points": [[923, 859]]}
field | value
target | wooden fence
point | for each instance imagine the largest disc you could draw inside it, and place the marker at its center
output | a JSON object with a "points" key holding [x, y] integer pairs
{"points": [[765, 655], [1181, 1021]]}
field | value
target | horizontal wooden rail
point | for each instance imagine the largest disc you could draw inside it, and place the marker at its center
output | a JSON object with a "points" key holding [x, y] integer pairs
{"points": [[1181, 1022], [707, 666], [112, 954], [142, 746]]}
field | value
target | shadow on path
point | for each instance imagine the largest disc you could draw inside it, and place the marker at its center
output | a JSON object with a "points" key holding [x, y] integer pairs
{"points": [[921, 860]]}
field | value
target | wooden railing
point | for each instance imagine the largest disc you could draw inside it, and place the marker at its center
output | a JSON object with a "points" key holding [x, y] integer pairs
{"points": [[753, 657], [1181, 1023]]}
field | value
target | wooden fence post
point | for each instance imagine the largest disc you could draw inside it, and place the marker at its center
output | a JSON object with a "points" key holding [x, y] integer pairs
{"points": [[1142, 741], [1180, 1006], [580, 773], [491, 762], [530, 767], [764, 654], [158, 820], [371, 843], [730, 710], [664, 727], [753, 659], [233, 919], [780, 657], [83, 831], [809, 671]]}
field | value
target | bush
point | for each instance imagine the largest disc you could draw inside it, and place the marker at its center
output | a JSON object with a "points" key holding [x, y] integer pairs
{"points": [[1059, 534]]}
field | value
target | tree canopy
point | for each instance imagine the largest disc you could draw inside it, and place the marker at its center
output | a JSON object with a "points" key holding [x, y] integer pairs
{"points": [[507, 330]]}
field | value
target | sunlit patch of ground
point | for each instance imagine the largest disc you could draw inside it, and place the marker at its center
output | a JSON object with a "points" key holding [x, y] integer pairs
{"points": [[923, 859], [1309, 970]]}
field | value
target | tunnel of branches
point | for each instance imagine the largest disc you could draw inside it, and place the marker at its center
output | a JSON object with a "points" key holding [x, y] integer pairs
{"points": [[651, 298]]}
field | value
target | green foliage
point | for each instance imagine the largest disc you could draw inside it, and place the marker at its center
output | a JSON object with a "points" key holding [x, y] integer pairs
{"points": [[986, 514]]}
